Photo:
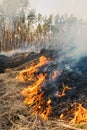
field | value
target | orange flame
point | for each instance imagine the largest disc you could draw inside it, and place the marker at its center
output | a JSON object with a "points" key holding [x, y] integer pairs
{"points": [[28, 74], [80, 115], [35, 99], [34, 95], [65, 88]]}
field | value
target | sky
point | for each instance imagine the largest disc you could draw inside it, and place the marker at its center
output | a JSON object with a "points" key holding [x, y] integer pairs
{"points": [[76, 7], [46, 7]]}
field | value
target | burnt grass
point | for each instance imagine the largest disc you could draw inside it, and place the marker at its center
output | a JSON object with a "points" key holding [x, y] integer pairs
{"points": [[14, 115]]}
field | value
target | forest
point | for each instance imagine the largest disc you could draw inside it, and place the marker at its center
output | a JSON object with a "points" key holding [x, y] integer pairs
{"points": [[31, 29]]}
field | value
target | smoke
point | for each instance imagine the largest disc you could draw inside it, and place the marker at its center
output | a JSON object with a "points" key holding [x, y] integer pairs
{"points": [[81, 40], [75, 37], [12, 8], [72, 42]]}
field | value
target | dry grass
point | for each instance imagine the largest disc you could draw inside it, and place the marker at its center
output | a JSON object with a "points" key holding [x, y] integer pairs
{"points": [[14, 115]]}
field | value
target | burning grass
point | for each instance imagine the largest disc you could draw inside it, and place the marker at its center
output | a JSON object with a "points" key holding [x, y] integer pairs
{"points": [[47, 106], [28, 73], [80, 115], [34, 95], [40, 95], [14, 115]]}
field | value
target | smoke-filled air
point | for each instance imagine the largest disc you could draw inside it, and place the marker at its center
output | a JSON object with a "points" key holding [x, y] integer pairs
{"points": [[43, 64], [21, 26]]}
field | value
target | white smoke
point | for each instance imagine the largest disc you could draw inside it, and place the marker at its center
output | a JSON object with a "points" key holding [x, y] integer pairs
{"points": [[81, 40], [12, 8]]}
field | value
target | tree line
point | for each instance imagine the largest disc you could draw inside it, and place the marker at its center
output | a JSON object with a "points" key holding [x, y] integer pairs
{"points": [[38, 30]]}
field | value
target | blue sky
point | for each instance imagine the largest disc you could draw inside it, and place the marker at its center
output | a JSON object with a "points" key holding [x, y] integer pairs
{"points": [[76, 7]]}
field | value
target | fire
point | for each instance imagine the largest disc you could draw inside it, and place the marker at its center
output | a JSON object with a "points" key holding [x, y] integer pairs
{"points": [[33, 89], [34, 98], [28, 73], [80, 115], [65, 88], [37, 95], [33, 94]]}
